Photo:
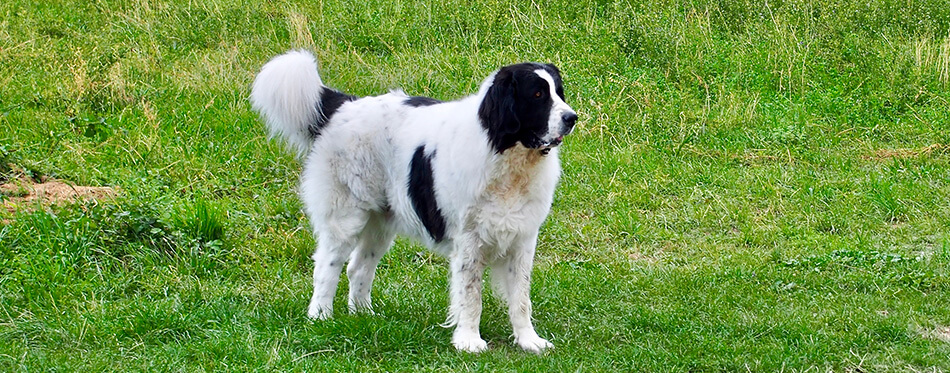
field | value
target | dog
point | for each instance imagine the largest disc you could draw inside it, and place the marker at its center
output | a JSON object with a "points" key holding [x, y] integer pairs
{"points": [[473, 179]]}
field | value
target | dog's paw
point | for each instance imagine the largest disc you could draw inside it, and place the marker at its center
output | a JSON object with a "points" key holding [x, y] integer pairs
{"points": [[363, 311], [319, 313], [468, 342], [534, 344], [361, 308]]}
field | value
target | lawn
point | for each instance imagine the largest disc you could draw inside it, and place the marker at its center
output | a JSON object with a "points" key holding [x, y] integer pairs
{"points": [[753, 185]]}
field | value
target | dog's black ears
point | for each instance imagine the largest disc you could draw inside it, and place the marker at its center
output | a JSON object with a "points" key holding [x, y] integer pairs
{"points": [[497, 111]]}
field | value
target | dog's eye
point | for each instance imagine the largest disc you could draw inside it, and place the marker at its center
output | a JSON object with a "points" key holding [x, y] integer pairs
{"points": [[537, 94]]}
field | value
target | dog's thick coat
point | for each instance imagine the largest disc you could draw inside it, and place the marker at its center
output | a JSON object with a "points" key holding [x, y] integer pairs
{"points": [[473, 179]]}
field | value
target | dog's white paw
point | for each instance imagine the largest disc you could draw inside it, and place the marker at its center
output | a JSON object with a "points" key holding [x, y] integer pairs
{"points": [[534, 344], [319, 313], [362, 310], [361, 307], [469, 342]]}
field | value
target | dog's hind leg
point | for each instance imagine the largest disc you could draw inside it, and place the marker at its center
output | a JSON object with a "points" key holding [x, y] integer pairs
{"points": [[335, 241], [375, 240]]}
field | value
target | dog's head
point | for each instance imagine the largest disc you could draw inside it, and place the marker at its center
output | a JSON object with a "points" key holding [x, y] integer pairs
{"points": [[525, 103]]}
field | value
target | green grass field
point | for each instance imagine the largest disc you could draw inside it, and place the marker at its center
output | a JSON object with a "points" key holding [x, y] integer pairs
{"points": [[753, 186]]}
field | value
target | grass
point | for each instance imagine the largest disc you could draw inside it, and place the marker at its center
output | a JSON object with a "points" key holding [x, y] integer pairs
{"points": [[754, 185]]}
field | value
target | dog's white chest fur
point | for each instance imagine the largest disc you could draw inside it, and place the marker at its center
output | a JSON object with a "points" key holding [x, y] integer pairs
{"points": [[516, 198]]}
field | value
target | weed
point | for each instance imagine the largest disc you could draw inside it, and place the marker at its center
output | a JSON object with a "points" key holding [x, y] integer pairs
{"points": [[201, 221]]}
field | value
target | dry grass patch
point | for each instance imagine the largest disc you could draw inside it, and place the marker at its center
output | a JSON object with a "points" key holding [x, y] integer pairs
{"points": [[882, 154]]}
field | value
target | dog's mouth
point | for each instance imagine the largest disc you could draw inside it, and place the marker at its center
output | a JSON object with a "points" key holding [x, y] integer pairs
{"points": [[547, 146], [544, 144], [553, 143]]}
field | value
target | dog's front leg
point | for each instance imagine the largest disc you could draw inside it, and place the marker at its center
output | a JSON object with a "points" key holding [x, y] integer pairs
{"points": [[515, 272], [465, 293]]}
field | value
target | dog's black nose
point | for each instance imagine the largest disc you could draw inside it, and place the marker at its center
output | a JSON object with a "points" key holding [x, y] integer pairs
{"points": [[569, 119]]}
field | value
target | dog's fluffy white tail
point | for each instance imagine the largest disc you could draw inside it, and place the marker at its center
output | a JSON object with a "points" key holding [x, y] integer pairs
{"points": [[287, 95]]}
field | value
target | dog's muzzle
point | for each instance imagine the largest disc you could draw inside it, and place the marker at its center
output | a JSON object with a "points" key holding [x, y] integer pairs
{"points": [[568, 120]]}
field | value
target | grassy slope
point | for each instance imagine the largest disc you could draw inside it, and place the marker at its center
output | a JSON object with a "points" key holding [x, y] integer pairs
{"points": [[753, 185]]}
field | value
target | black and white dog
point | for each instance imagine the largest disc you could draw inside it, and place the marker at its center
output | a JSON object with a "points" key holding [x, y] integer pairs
{"points": [[473, 179]]}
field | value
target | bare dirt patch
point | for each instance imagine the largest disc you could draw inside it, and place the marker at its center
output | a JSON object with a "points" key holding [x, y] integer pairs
{"points": [[941, 333], [25, 193]]}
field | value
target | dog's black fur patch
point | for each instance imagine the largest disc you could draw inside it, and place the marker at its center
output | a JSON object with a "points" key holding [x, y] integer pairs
{"points": [[417, 101], [422, 194], [513, 112], [330, 102]]}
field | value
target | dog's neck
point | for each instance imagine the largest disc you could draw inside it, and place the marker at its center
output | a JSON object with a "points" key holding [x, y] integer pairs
{"points": [[526, 158], [517, 174], [520, 164]]}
